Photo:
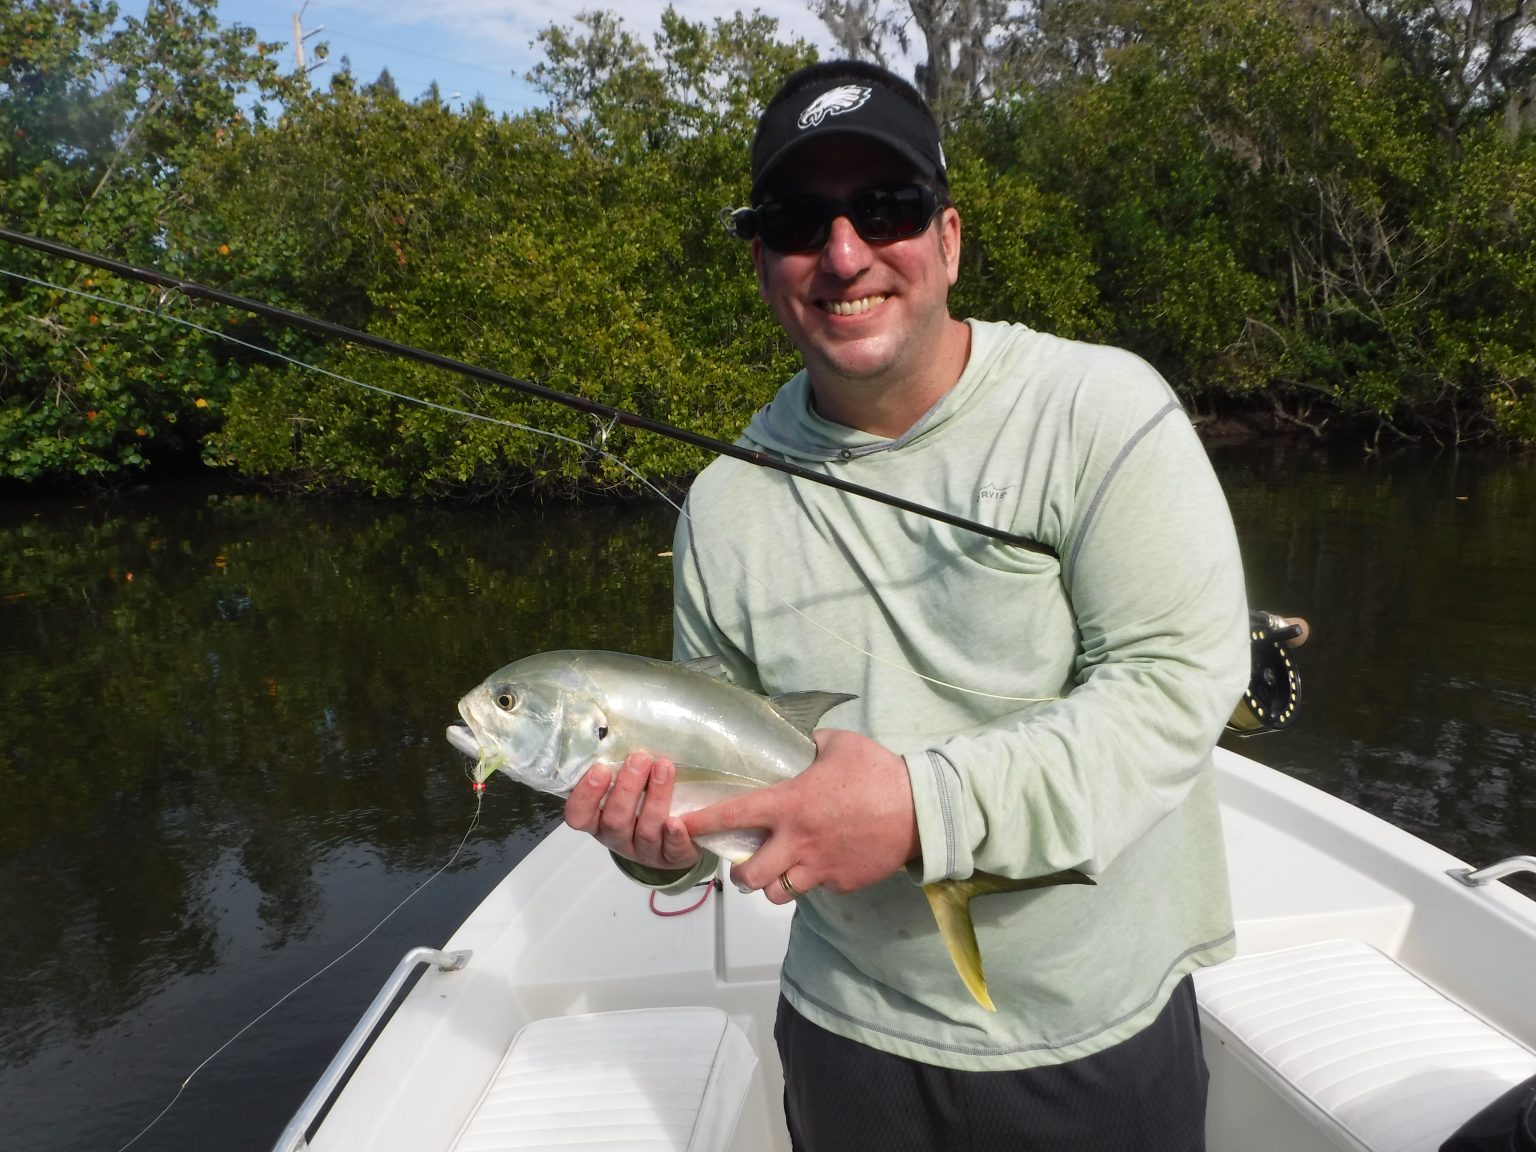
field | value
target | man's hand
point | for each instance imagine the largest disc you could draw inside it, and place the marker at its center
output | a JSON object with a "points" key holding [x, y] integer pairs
{"points": [[633, 820], [844, 823]]}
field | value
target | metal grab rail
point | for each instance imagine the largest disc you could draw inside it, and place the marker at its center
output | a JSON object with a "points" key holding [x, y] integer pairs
{"points": [[1476, 879], [295, 1137]]}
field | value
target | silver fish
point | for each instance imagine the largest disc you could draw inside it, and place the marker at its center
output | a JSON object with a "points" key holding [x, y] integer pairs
{"points": [[546, 719]]}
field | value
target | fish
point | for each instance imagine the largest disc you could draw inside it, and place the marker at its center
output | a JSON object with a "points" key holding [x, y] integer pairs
{"points": [[546, 719]]}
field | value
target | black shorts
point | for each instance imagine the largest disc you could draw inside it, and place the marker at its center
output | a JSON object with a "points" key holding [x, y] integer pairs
{"points": [[1146, 1094]]}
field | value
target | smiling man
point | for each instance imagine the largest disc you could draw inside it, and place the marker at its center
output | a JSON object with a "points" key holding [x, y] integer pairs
{"points": [[1017, 713], [869, 318]]}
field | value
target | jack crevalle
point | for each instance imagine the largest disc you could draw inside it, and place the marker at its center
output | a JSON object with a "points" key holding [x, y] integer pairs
{"points": [[546, 719]]}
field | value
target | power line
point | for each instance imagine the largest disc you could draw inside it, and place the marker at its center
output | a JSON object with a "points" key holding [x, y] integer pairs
{"points": [[339, 38]]}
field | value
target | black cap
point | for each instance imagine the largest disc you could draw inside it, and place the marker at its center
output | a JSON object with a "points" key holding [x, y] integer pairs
{"points": [[863, 101]]}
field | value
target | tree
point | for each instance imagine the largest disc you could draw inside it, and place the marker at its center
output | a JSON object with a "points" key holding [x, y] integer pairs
{"points": [[577, 245], [860, 29], [98, 117], [963, 50], [1478, 56], [385, 85], [1278, 209]]}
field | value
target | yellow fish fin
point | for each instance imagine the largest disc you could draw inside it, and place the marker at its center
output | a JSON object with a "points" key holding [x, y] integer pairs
{"points": [[952, 909], [951, 904]]}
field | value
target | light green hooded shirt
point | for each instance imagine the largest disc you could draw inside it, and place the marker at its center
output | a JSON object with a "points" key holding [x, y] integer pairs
{"points": [[1052, 714]]}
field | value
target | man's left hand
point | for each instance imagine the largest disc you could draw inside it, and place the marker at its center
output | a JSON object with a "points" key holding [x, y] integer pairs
{"points": [[847, 821]]}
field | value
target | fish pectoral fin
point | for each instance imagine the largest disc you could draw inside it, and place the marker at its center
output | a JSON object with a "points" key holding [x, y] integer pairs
{"points": [[805, 709], [708, 665], [951, 904]]}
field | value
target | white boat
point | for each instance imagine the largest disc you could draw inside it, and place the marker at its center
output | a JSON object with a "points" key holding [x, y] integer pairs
{"points": [[1383, 992]]}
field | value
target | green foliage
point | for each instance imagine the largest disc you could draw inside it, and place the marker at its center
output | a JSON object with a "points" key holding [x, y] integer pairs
{"points": [[98, 116], [1025, 255], [1317, 214], [577, 246], [1277, 205]]}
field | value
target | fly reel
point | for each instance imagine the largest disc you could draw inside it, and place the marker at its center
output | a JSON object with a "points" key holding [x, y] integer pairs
{"points": [[1274, 686]]}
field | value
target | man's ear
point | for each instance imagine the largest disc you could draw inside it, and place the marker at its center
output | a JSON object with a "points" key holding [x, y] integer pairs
{"points": [[758, 267], [949, 241]]}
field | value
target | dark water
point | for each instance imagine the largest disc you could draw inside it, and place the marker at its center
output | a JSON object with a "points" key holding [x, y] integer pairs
{"points": [[221, 752], [222, 761], [1418, 574]]}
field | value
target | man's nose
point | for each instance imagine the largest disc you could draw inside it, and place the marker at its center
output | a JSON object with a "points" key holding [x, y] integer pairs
{"points": [[845, 253]]}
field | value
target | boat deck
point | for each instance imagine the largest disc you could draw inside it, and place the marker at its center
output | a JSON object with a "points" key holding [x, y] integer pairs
{"points": [[565, 933]]}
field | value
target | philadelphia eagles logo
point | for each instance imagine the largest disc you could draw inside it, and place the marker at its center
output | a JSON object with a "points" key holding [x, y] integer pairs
{"points": [[833, 103]]}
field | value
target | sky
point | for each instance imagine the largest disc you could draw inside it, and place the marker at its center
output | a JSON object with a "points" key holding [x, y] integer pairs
{"points": [[469, 47]]}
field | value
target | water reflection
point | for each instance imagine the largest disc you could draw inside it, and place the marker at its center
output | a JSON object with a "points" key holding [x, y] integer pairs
{"points": [[1421, 677], [221, 752], [221, 760]]}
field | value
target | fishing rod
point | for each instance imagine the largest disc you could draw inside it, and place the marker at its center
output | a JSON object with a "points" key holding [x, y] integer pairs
{"points": [[195, 291]]}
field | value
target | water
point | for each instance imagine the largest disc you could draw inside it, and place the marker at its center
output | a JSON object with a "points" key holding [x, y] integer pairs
{"points": [[1417, 574], [222, 761], [221, 752]]}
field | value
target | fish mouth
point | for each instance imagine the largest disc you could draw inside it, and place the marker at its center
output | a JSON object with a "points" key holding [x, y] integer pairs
{"points": [[464, 740], [463, 737]]}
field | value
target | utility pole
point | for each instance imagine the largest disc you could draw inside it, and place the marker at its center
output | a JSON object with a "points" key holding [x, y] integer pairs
{"points": [[299, 35]]}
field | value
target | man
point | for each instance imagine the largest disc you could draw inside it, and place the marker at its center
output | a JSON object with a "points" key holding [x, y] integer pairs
{"points": [[1017, 713]]}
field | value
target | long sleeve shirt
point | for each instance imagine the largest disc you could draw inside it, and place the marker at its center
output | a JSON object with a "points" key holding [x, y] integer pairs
{"points": [[1052, 713]]}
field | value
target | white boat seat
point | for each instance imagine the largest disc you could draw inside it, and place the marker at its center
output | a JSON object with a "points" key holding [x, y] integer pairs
{"points": [[1377, 1057], [653, 1079]]}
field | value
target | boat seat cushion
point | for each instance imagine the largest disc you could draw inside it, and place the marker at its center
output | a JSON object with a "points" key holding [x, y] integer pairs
{"points": [[1378, 1057], [654, 1079]]}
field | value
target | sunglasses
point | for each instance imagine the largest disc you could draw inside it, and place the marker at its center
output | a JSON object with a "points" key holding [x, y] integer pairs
{"points": [[802, 223]]}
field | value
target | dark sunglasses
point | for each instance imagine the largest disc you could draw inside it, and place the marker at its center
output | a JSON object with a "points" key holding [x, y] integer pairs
{"points": [[802, 223]]}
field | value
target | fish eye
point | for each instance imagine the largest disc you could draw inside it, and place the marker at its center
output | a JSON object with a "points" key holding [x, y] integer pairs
{"points": [[506, 700], [602, 731]]}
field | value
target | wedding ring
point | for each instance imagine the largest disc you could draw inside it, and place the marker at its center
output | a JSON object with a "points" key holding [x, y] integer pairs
{"points": [[794, 892]]}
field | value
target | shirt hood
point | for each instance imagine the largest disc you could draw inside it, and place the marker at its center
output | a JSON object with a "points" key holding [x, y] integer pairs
{"points": [[789, 425]]}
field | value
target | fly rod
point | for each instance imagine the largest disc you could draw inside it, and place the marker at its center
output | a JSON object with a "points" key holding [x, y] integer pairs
{"points": [[195, 291]]}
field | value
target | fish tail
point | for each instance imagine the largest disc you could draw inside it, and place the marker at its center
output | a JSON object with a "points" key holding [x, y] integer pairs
{"points": [[951, 904]]}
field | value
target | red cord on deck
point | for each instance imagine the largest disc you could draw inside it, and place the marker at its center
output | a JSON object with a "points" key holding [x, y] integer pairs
{"points": [[708, 886]]}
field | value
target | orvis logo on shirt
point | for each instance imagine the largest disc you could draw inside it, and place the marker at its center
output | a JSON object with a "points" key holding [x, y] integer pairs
{"points": [[833, 103]]}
